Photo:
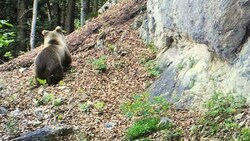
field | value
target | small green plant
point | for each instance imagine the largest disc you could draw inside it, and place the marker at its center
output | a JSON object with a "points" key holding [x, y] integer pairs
{"points": [[219, 117], [61, 83], [82, 137], [191, 83], [144, 127], [11, 126], [72, 70], [192, 62], [8, 55], [41, 81], [6, 37], [244, 134], [142, 105], [152, 68], [60, 117], [77, 23], [152, 47], [32, 81], [99, 105], [57, 102], [100, 63], [180, 66], [83, 107], [48, 98], [111, 47]]}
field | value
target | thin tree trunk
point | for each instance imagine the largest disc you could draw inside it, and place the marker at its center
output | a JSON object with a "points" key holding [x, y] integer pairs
{"points": [[88, 9], [49, 10], [63, 14], [21, 18], [56, 14], [83, 11], [33, 26], [95, 6], [69, 24]]}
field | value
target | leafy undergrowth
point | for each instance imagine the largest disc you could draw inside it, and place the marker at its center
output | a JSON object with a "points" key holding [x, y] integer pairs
{"points": [[144, 127], [152, 114], [226, 118]]}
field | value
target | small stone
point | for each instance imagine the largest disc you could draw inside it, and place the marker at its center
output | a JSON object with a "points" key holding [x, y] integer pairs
{"points": [[239, 116], [89, 104], [164, 120], [61, 87], [22, 70], [109, 125], [39, 113], [40, 91], [36, 122], [15, 113], [242, 123], [3, 111], [67, 90]]}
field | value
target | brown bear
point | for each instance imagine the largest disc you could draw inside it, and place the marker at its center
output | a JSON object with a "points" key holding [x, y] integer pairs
{"points": [[54, 59]]}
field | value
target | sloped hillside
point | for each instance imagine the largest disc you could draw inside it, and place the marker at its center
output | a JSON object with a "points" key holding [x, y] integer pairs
{"points": [[111, 35]]}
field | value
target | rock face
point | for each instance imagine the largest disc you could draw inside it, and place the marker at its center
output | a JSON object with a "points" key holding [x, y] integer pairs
{"points": [[205, 48], [220, 24]]}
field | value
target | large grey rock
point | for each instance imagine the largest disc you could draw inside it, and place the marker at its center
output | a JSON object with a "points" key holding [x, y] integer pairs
{"points": [[192, 74], [220, 24], [46, 134]]}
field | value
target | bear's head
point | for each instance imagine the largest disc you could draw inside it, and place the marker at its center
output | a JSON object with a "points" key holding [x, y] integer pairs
{"points": [[55, 35]]}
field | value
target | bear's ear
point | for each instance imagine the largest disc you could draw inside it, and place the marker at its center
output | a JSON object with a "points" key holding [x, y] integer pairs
{"points": [[45, 32], [59, 29]]}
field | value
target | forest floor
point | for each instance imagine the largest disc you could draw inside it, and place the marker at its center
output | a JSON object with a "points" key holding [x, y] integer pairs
{"points": [[112, 35]]}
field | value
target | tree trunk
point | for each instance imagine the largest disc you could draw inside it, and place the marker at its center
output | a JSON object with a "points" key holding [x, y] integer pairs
{"points": [[83, 11], [56, 14], [33, 26], [21, 18], [69, 24], [88, 9], [63, 14], [95, 6], [49, 10]]}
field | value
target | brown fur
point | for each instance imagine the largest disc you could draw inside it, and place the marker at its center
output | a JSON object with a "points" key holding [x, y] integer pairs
{"points": [[54, 58]]}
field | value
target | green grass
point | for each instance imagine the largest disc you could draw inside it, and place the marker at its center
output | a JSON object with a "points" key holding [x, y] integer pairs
{"points": [[144, 127]]}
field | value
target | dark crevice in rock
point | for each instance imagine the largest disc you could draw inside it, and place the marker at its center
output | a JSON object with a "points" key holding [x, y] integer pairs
{"points": [[244, 39]]}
